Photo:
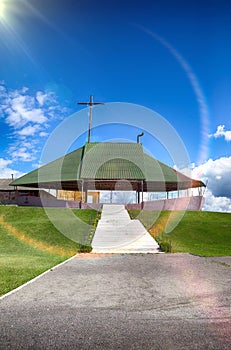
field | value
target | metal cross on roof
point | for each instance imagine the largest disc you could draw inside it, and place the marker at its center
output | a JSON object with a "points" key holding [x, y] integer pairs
{"points": [[90, 104]]}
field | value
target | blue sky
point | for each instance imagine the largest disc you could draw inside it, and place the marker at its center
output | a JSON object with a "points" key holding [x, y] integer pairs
{"points": [[172, 57]]}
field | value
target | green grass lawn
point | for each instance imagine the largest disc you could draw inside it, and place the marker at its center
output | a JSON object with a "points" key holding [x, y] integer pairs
{"points": [[30, 244], [198, 232]]}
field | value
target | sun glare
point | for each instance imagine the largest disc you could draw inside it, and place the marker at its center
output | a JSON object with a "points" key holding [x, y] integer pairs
{"points": [[2, 8]]}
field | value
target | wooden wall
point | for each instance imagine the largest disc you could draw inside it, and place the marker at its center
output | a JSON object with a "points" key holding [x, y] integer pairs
{"points": [[93, 197]]}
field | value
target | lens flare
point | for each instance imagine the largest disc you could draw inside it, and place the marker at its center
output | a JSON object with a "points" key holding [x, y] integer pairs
{"points": [[108, 115]]}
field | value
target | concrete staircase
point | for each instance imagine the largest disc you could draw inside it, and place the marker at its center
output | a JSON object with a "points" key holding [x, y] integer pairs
{"points": [[117, 233]]}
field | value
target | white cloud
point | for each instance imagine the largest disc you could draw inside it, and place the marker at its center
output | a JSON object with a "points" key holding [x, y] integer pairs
{"points": [[4, 163], [22, 110], [221, 132], [41, 97], [22, 154], [217, 173], [220, 204], [29, 130], [6, 171], [22, 107], [43, 134], [28, 116]]}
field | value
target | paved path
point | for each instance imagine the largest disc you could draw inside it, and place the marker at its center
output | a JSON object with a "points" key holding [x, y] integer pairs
{"points": [[123, 301], [117, 233]]}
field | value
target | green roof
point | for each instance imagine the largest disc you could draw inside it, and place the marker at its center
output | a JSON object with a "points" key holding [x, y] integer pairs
{"points": [[102, 164], [65, 168], [113, 161]]}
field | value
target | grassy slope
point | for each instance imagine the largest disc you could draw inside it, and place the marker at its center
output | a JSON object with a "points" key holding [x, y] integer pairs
{"points": [[200, 233], [30, 244]]}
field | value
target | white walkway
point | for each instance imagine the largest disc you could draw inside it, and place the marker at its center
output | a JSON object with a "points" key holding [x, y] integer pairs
{"points": [[117, 233]]}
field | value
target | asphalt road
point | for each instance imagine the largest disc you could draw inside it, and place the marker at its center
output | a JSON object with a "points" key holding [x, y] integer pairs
{"points": [[165, 301]]}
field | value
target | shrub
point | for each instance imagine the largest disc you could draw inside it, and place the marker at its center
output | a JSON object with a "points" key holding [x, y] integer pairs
{"points": [[85, 248], [165, 246]]}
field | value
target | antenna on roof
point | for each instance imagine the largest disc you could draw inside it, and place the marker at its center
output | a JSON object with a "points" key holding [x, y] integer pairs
{"points": [[90, 104]]}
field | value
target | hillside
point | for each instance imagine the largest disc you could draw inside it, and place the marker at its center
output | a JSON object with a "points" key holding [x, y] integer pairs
{"points": [[198, 232], [30, 244]]}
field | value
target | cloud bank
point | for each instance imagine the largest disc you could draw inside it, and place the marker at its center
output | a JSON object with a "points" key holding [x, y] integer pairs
{"points": [[217, 174]]}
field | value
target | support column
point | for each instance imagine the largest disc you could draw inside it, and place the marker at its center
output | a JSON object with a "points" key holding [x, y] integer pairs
{"points": [[142, 188], [82, 183], [138, 196], [85, 193]]}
